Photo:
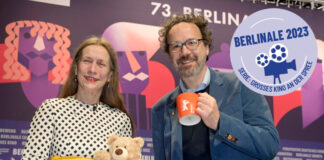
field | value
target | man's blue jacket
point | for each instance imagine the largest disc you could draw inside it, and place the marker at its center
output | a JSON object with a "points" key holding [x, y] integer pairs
{"points": [[245, 129]]}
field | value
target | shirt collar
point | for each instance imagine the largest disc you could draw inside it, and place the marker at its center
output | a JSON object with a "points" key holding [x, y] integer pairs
{"points": [[202, 86]]}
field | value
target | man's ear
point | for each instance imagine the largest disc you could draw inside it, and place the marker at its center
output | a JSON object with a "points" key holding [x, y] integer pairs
{"points": [[207, 50]]}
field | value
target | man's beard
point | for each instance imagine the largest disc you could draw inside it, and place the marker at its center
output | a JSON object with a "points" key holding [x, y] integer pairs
{"points": [[189, 71]]}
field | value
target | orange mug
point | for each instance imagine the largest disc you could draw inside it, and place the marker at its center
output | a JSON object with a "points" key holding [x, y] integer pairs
{"points": [[186, 107]]}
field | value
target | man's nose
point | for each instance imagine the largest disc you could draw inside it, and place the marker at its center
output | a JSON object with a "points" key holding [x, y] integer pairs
{"points": [[184, 50]]}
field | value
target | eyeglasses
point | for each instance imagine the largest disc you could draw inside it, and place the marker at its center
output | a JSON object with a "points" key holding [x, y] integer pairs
{"points": [[191, 44]]}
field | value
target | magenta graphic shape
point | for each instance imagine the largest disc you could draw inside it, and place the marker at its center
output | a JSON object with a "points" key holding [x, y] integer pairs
{"points": [[313, 97], [221, 59]]}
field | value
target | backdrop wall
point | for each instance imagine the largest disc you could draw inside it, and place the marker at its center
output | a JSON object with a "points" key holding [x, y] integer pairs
{"points": [[146, 73]]}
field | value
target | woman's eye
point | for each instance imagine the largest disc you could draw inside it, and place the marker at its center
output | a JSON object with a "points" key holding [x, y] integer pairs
{"points": [[101, 63]]}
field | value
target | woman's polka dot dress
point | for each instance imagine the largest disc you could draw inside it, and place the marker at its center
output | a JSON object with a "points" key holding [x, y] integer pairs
{"points": [[68, 127]]}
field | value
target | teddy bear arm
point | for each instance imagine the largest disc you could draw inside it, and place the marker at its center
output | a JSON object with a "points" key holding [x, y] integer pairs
{"points": [[102, 155]]}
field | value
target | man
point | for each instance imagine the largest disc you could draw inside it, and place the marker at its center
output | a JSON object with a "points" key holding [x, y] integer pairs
{"points": [[236, 122]]}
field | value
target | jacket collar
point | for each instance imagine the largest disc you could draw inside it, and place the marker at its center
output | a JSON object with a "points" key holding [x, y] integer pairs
{"points": [[216, 88]]}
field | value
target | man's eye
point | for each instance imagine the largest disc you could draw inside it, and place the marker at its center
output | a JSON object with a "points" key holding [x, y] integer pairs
{"points": [[192, 42], [173, 46], [178, 45]]}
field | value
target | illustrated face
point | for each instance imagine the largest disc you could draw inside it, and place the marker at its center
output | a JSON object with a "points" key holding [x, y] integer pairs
{"points": [[187, 62], [93, 70], [36, 53], [133, 71]]}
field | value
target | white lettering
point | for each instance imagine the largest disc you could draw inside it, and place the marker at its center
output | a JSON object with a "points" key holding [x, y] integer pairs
{"points": [[186, 10], [184, 105]]}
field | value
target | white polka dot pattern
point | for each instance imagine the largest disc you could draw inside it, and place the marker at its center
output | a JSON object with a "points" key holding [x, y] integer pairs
{"points": [[68, 127]]}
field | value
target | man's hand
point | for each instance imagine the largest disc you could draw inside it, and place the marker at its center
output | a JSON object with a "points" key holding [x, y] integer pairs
{"points": [[208, 110]]}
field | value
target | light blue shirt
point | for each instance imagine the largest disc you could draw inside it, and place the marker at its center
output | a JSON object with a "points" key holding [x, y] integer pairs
{"points": [[202, 86]]}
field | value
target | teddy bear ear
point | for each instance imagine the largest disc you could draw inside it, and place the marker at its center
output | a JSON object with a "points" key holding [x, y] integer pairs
{"points": [[112, 138], [139, 141]]}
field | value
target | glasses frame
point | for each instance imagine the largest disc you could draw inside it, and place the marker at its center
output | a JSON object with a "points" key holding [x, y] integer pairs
{"points": [[185, 44]]}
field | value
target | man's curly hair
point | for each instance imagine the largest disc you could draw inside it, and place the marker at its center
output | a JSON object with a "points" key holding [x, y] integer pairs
{"points": [[198, 20]]}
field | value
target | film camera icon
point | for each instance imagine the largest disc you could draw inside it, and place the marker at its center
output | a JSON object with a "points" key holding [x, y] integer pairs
{"points": [[275, 63]]}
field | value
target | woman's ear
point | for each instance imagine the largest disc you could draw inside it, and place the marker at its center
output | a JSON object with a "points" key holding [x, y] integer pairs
{"points": [[76, 71], [109, 76]]}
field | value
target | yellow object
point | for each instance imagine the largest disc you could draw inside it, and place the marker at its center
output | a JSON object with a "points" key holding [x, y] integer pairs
{"points": [[69, 158]]}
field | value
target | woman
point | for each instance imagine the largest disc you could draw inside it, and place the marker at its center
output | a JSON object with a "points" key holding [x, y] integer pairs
{"points": [[89, 110]]}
